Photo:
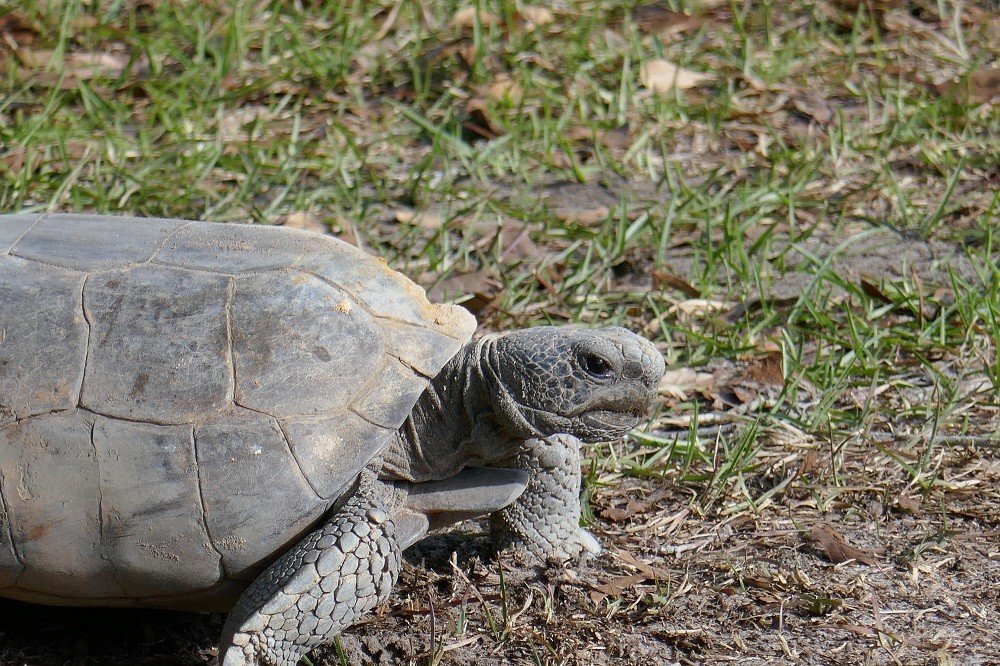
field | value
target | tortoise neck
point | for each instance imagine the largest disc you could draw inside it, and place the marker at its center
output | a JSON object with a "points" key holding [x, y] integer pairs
{"points": [[436, 440]]}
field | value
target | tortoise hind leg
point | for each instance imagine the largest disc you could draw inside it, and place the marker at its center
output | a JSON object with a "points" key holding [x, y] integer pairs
{"points": [[318, 588]]}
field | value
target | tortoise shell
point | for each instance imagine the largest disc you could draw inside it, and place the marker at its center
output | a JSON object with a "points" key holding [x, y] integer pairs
{"points": [[181, 401]]}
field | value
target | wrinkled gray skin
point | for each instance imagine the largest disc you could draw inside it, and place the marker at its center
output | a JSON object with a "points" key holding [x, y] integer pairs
{"points": [[523, 400], [236, 417]]}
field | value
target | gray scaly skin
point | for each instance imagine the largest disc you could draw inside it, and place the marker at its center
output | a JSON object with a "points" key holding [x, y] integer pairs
{"points": [[545, 522], [524, 400], [527, 399], [320, 587]]}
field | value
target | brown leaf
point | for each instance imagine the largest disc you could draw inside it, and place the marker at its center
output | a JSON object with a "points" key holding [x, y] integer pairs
{"points": [[765, 370], [632, 508], [982, 87], [14, 160], [504, 89], [663, 76], [349, 232], [478, 124], [535, 17], [656, 18], [424, 219], [616, 138], [582, 216], [466, 18], [17, 31], [815, 108], [476, 291], [78, 65], [909, 505], [835, 546], [680, 382], [515, 239], [663, 280], [615, 587]]}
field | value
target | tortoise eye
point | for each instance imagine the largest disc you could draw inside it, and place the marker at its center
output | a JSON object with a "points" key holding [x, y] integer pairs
{"points": [[596, 365]]}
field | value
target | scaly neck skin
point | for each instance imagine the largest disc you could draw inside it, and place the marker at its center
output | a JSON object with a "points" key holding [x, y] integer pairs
{"points": [[453, 424]]}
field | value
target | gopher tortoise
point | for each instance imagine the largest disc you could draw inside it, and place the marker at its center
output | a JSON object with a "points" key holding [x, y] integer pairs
{"points": [[259, 420]]}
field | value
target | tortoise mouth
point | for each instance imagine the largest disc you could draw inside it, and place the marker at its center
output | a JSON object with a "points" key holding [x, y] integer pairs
{"points": [[614, 419], [625, 401]]}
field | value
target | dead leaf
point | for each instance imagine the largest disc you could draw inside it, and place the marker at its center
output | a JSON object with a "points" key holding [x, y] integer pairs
{"points": [[632, 508], [582, 216], [305, 220], [835, 546], [699, 306], [535, 17], [909, 505], [616, 138], [466, 18], [349, 232], [615, 587], [17, 31], [476, 291], [680, 382], [815, 108], [14, 160], [478, 124], [663, 280], [765, 370], [424, 219], [982, 87], [504, 89], [81, 66], [656, 18], [515, 239], [663, 76]]}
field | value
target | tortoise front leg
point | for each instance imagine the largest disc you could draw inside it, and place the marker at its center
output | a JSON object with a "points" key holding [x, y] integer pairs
{"points": [[544, 522], [318, 588]]}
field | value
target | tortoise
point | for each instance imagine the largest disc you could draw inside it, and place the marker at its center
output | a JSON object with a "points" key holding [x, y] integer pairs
{"points": [[259, 420]]}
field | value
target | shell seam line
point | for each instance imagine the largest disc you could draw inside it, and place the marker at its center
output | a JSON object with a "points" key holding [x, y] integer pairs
{"points": [[115, 417], [298, 464], [100, 510], [368, 420], [230, 355], [33, 260], [86, 350], [166, 239], [26, 232], [204, 509], [361, 304]]}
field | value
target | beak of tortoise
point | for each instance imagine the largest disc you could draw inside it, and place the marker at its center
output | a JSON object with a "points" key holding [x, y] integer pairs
{"points": [[473, 492]]}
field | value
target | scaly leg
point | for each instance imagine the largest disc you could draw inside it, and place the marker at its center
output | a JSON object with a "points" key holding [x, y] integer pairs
{"points": [[544, 522], [318, 588]]}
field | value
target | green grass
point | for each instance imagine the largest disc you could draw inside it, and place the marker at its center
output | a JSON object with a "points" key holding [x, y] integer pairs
{"points": [[352, 110]]}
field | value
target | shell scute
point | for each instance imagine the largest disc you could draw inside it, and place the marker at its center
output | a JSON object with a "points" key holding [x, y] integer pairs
{"points": [[12, 227], [295, 349], [333, 449], [93, 242], [43, 338], [51, 488], [153, 531], [253, 490], [158, 344], [234, 248]]}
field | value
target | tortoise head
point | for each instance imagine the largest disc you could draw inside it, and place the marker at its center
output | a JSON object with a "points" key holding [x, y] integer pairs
{"points": [[593, 384]]}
